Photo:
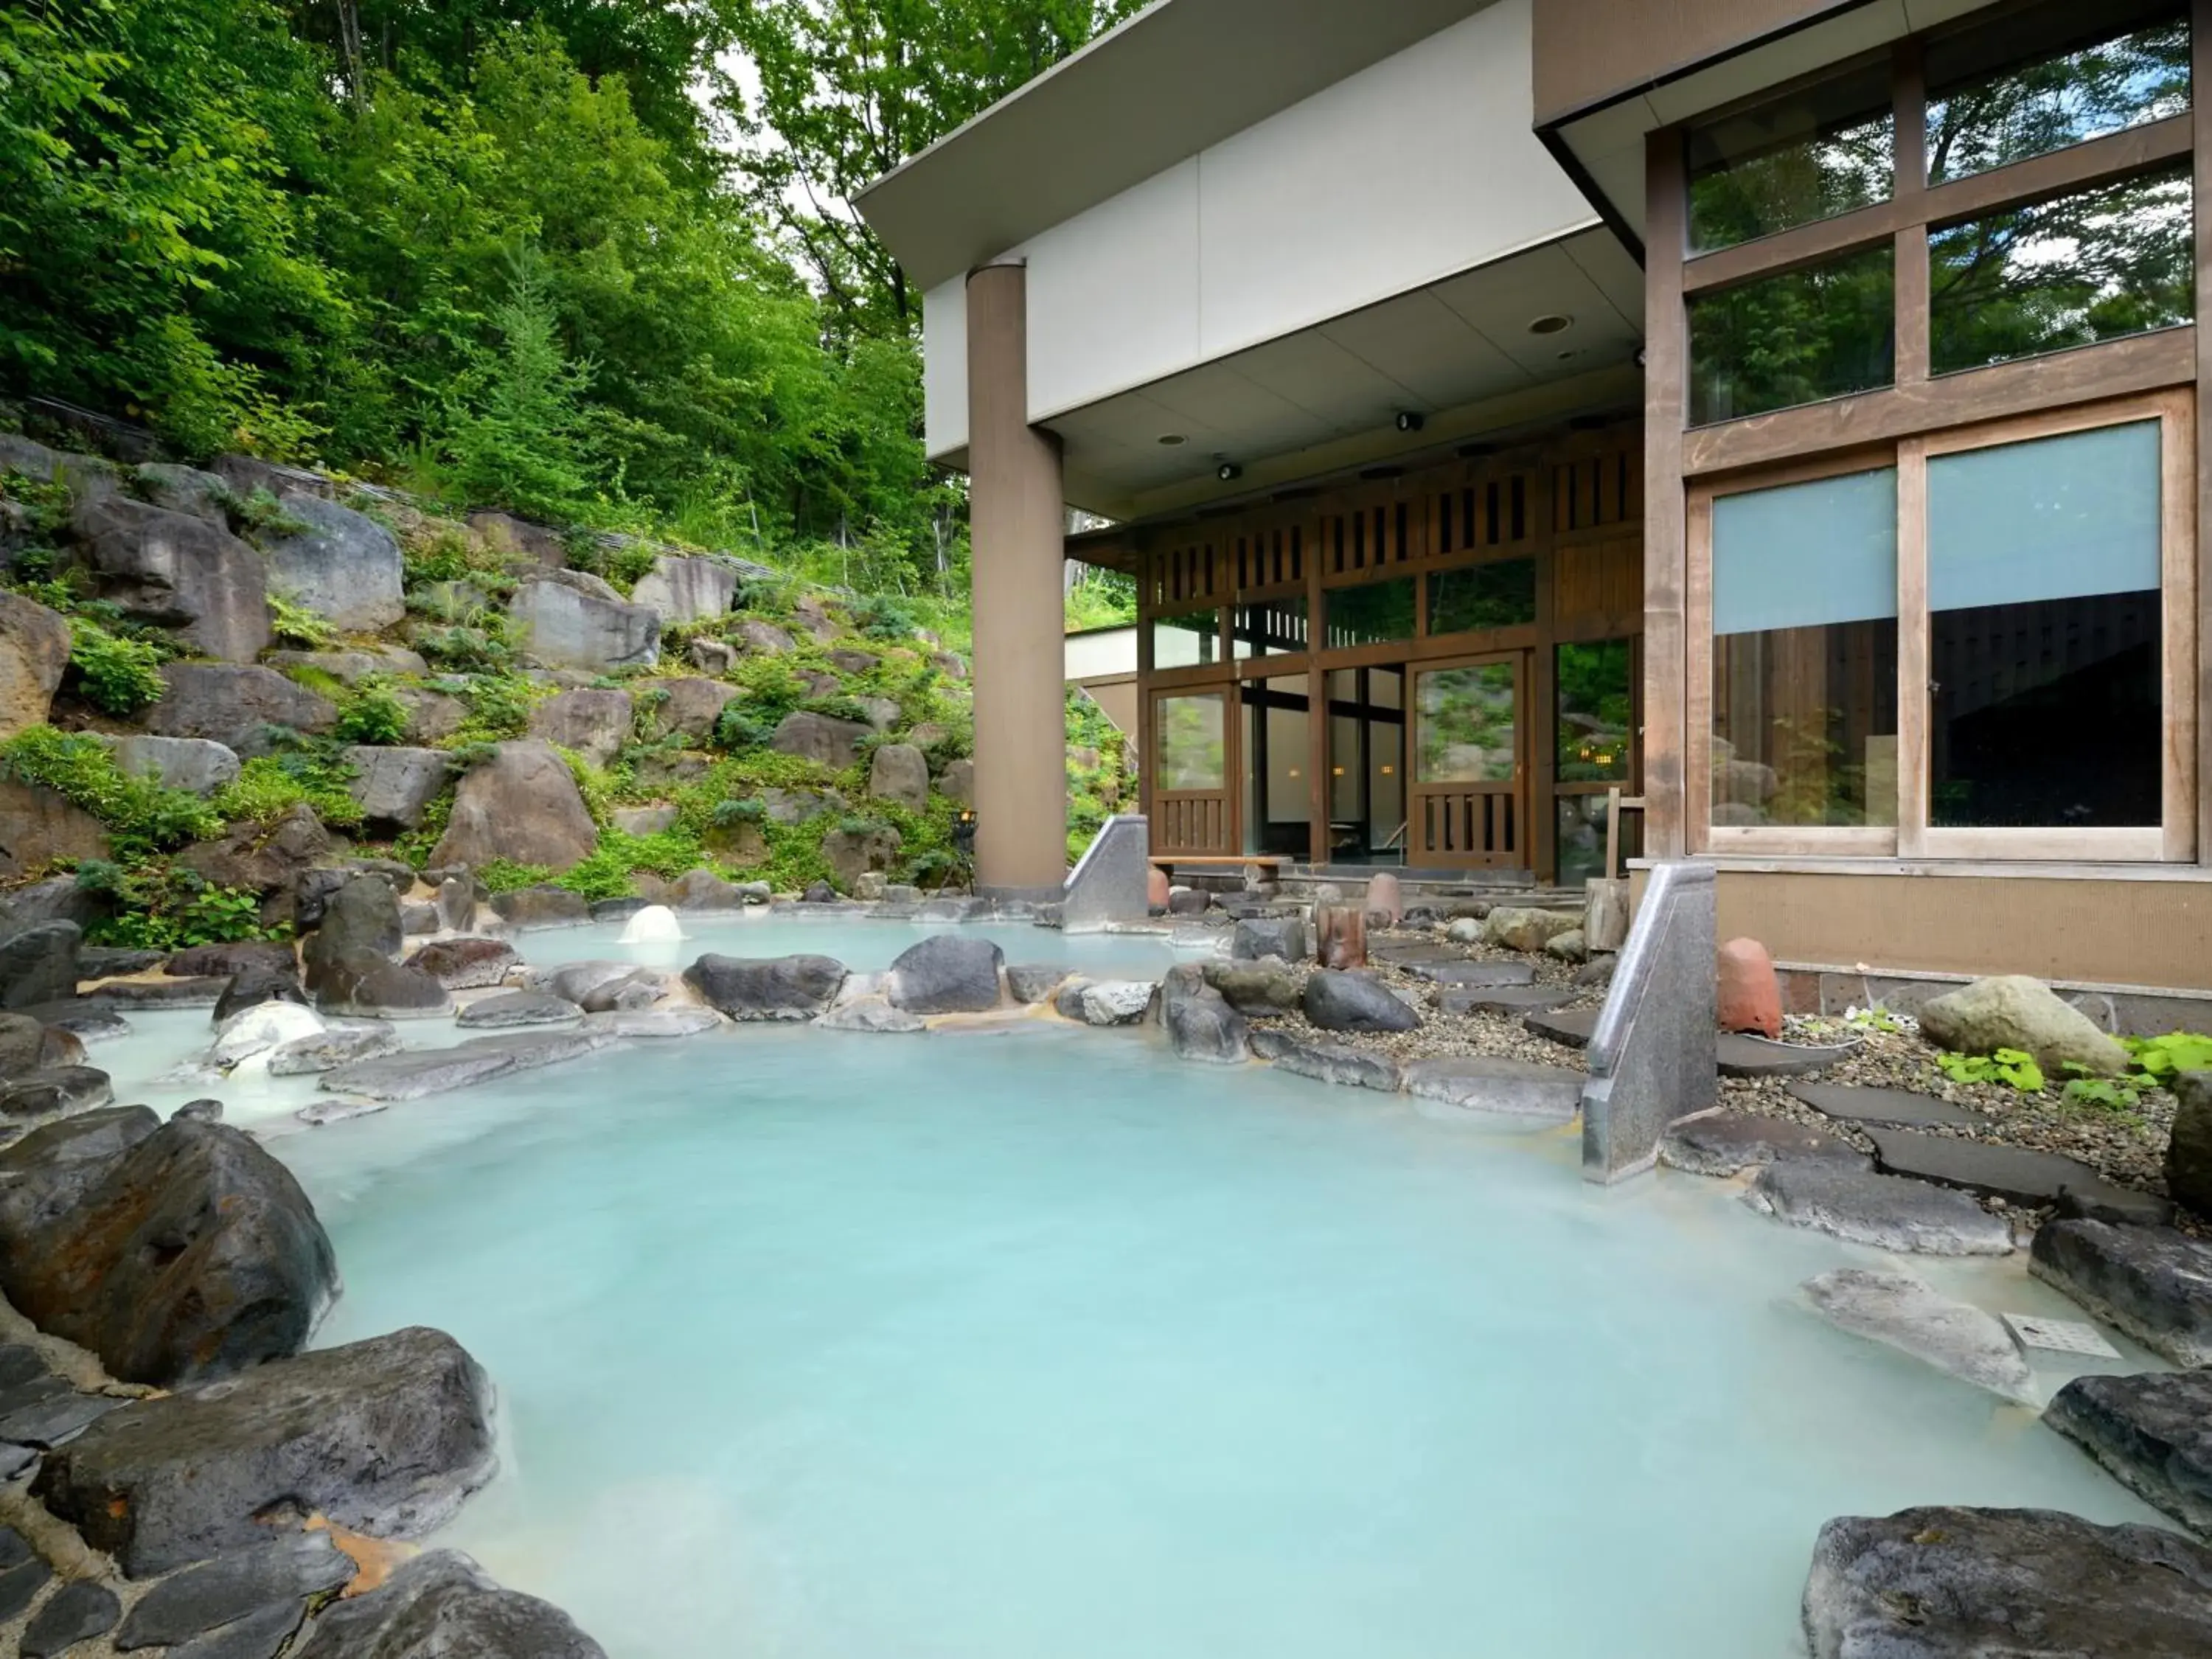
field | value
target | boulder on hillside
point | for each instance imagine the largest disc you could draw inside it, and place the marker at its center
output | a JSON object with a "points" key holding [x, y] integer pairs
{"points": [[686, 590], [43, 827], [432, 716], [363, 914], [957, 783], [352, 665], [506, 533], [49, 1172], [1355, 1001], [35, 649], [247, 474], [340, 564], [200, 766], [2189, 1150], [523, 806], [593, 723], [564, 626], [702, 890], [239, 957], [177, 572], [388, 1437], [760, 639], [195, 1255], [853, 853], [1522, 929], [446, 1593], [946, 973], [897, 773], [39, 964], [711, 656], [2013, 1011], [269, 858], [393, 787], [819, 738], [690, 706], [179, 489], [780, 989], [231, 704]]}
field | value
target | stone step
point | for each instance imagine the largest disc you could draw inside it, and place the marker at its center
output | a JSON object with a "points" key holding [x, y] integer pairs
{"points": [[1849, 1103], [2018, 1174], [1727, 1143], [1511, 1087], [1751, 1057], [1455, 971], [1572, 1026], [1886, 1212], [1502, 999]]}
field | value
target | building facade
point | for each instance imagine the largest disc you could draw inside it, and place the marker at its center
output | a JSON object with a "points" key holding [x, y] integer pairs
{"points": [[1784, 413]]}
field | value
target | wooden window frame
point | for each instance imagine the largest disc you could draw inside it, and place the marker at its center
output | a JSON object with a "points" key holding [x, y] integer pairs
{"points": [[2173, 839]]}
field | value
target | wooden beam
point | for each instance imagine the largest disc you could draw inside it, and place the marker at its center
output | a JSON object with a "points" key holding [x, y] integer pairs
{"points": [[1665, 368], [2117, 368], [2113, 156], [1909, 113]]}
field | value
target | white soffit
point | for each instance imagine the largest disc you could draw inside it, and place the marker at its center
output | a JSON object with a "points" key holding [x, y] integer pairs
{"points": [[1608, 142], [1181, 75], [1449, 347]]}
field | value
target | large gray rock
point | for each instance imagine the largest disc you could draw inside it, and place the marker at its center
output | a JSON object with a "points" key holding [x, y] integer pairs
{"points": [[367, 983], [1112, 1002], [1259, 937], [1354, 1001], [507, 1010], [35, 649], [2153, 1433], [2153, 1283], [386, 1435], [440, 1606], [2189, 1150], [340, 564], [432, 716], [417, 1073], [957, 783], [46, 828], [178, 489], [289, 1567], [946, 973], [897, 773], [1908, 1314], [50, 1171], [1256, 988], [2016, 1012], [1198, 1019], [178, 572], [768, 987], [363, 915], [393, 787], [247, 475], [1327, 1062], [341, 1043], [1963, 1583], [564, 626], [236, 957], [1509, 1088], [273, 859], [351, 667], [593, 723], [195, 1255], [1518, 928], [691, 706], [200, 766], [542, 907], [231, 704], [832, 743], [852, 854], [1728, 1143], [39, 964], [75, 1612], [51, 1092], [1885, 1211], [467, 964], [686, 590], [522, 805]]}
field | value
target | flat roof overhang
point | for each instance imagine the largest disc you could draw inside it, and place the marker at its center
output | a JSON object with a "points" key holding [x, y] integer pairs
{"points": [[1179, 76]]}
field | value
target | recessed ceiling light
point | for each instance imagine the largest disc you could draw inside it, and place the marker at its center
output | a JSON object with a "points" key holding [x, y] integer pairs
{"points": [[1571, 351], [1551, 322], [1172, 439]]}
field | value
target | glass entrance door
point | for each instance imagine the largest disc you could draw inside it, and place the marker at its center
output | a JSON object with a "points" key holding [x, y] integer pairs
{"points": [[1366, 766], [1467, 805]]}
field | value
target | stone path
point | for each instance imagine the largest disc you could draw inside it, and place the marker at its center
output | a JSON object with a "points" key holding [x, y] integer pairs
{"points": [[1572, 1026], [1728, 1143], [1510, 1087], [1751, 1057], [1851, 1103], [2012, 1173], [1885, 1211], [1503, 999]]}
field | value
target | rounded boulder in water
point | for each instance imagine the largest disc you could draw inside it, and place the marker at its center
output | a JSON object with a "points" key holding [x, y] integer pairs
{"points": [[655, 925]]}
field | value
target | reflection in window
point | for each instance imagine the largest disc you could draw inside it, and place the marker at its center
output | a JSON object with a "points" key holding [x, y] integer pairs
{"points": [[1268, 628], [1582, 839], [1794, 338], [1823, 150], [1374, 614], [1367, 766], [1277, 801], [2029, 84], [2095, 266], [1597, 711], [1469, 724], [1187, 737], [1500, 594], [2043, 591], [1804, 583], [1189, 640]]}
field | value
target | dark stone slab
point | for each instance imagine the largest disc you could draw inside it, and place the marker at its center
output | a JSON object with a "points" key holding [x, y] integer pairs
{"points": [[2153, 1433], [1885, 1211], [1851, 1104], [54, 1091], [1510, 1087], [1750, 1056], [1963, 1583], [418, 1073], [1572, 1026], [54, 1420], [82, 1018], [1327, 1062], [20, 1364], [507, 1009], [1727, 1143], [1030, 982], [291, 1567], [18, 1584], [98, 961], [1410, 953], [1502, 999], [2150, 1282], [2015, 1174], [1472, 974], [793, 987], [74, 1613], [260, 1635], [946, 973], [198, 993], [444, 1593]]}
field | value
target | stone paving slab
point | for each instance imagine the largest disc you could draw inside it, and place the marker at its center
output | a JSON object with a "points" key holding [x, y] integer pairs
{"points": [[1727, 1143], [1887, 1211], [1572, 1026], [1472, 974], [1510, 1087], [1502, 999], [2015, 1174], [1750, 1056], [1851, 1104]]}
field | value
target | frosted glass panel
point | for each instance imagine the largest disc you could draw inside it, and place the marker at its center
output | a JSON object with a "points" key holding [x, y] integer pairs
{"points": [[1806, 555], [2056, 518]]}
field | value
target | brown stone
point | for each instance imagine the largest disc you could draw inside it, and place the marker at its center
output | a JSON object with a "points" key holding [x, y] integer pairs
{"points": [[35, 648], [1341, 936], [262, 858], [523, 806], [1750, 998], [42, 828], [1156, 888], [1383, 895]]}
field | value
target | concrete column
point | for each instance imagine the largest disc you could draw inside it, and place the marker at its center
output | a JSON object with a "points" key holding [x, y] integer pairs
{"points": [[1016, 527]]}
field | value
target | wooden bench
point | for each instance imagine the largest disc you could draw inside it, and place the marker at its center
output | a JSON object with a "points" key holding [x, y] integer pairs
{"points": [[1272, 860]]}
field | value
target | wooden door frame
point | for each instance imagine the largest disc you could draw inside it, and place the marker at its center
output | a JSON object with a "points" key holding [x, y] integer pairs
{"points": [[1522, 661], [1155, 800]]}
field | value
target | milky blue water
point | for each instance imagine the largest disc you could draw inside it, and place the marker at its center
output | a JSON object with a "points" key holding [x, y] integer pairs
{"points": [[865, 946], [818, 1346]]}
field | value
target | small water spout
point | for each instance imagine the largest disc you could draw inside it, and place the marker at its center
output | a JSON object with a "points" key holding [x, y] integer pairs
{"points": [[655, 925]]}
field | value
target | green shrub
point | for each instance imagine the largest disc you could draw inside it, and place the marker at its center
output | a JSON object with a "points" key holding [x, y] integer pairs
{"points": [[2013, 1068], [116, 674], [142, 816], [373, 714], [468, 648], [269, 786], [838, 708], [260, 512], [882, 616], [158, 907], [729, 814], [499, 708], [295, 624]]}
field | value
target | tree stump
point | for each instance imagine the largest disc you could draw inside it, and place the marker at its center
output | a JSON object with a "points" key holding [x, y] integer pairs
{"points": [[1340, 931]]}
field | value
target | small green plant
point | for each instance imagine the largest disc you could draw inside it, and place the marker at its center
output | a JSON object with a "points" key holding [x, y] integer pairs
{"points": [[2108, 1093], [737, 728], [468, 648], [373, 714], [142, 816], [270, 785], [499, 708], [295, 625], [116, 674], [882, 616], [158, 907], [2159, 1059], [1876, 1018], [729, 814], [2010, 1066], [260, 514]]}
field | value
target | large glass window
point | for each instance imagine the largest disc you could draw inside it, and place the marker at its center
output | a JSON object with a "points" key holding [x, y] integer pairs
{"points": [[1268, 628], [1367, 766], [1277, 800], [1794, 338], [1469, 724], [2026, 83], [1596, 711], [1499, 594], [1375, 613], [2045, 632], [2094, 265], [1804, 622], [1822, 150], [1188, 639], [1190, 751]]}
